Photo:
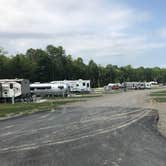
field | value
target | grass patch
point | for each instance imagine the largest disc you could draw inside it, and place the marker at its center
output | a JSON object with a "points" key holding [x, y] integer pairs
{"points": [[158, 94], [26, 108], [160, 100]]}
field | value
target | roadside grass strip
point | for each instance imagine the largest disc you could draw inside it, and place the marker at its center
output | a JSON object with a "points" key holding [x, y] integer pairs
{"points": [[159, 92], [159, 96], [27, 108], [160, 100]]}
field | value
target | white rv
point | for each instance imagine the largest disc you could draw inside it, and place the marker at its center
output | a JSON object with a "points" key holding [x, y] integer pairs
{"points": [[148, 85], [137, 85], [46, 89], [153, 83], [14, 88], [76, 86], [131, 85]]}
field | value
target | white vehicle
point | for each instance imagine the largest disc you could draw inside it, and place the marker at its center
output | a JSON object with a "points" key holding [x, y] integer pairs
{"points": [[10, 89], [130, 85], [134, 85], [137, 85], [153, 83], [76, 86], [147, 85], [141, 85], [112, 86], [45, 89], [14, 88]]}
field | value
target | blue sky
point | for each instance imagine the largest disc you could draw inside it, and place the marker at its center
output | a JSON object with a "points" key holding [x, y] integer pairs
{"points": [[118, 32]]}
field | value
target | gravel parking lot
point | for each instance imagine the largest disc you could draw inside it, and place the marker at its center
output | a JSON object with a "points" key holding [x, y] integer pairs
{"points": [[112, 130]]}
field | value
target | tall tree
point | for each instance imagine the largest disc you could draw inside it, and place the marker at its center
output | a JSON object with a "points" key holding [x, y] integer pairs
{"points": [[53, 64], [93, 73]]}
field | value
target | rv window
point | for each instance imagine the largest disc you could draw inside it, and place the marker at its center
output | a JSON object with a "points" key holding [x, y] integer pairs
{"points": [[60, 87], [83, 83], [88, 85], [41, 88], [77, 84]]}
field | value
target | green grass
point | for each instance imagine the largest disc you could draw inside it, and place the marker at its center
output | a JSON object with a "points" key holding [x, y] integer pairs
{"points": [[27, 108], [161, 92], [159, 96], [51, 103], [160, 100]]}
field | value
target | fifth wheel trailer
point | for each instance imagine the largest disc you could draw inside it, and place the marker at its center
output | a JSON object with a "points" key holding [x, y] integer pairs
{"points": [[14, 88]]}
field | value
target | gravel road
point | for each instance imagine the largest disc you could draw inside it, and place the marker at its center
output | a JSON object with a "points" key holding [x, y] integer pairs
{"points": [[113, 130]]}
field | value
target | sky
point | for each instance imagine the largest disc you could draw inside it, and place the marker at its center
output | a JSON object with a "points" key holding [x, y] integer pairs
{"points": [[118, 32]]}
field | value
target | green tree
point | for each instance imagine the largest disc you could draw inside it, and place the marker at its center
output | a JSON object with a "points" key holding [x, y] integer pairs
{"points": [[93, 73]]}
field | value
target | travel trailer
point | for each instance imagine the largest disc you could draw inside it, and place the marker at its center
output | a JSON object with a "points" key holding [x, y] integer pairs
{"points": [[76, 86], [49, 89], [137, 85]]}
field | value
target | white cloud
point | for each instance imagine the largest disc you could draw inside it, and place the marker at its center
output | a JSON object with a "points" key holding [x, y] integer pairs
{"points": [[85, 28], [58, 16]]}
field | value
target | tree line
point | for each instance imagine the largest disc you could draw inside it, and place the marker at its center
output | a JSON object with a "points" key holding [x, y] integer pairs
{"points": [[52, 63]]}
